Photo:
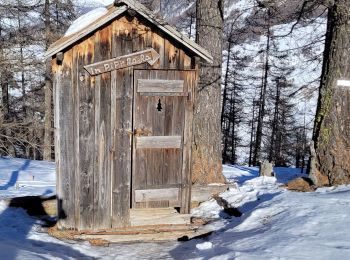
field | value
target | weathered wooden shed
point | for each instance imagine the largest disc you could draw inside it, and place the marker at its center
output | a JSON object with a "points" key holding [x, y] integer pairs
{"points": [[123, 94]]}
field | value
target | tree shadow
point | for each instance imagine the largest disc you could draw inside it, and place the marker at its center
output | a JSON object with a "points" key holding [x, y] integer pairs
{"points": [[252, 173], [14, 176], [188, 249], [16, 227], [282, 174]]}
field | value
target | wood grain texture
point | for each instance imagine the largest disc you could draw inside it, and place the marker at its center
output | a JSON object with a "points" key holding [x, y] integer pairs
{"points": [[86, 135], [158, 216], [102, 173], [122, 110], [76, 114], [65, 136], [159, 85], [157, 195], [159, 142], [158, 152], [191, 84]]}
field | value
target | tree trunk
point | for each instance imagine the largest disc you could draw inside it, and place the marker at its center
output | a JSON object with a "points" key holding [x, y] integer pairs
{"points": [[207, 157], [48, 90], [331, 165], [275, 122], [259, 129]]}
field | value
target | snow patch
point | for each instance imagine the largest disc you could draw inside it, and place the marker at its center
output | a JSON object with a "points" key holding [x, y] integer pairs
{"points": [[204, 246], [86, 19]]}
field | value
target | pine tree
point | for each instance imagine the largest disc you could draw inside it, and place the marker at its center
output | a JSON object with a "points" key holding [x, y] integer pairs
{"points": [[207, 128], [331, 164]]}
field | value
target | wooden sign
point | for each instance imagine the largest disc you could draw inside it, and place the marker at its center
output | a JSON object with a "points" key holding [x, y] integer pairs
{"points": [[133, 59]]}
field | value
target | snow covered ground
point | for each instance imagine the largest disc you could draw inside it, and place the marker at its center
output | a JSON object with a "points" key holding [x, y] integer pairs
{"points": [[19, 177], [276, 223]]}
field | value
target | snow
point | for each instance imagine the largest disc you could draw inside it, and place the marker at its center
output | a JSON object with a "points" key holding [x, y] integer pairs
{"points": [[204, 246], [104, 2], [20, 177], [275, 224], [86, 19]]}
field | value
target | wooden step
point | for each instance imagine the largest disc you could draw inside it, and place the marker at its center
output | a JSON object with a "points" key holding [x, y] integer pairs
{"points": [[158, 216], [178, 235]]}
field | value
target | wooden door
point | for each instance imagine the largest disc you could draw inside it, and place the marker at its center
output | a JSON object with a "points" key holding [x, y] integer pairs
{"points": [[162, 122]]}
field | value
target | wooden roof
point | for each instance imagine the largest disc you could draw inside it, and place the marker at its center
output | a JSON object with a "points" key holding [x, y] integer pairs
{"points": [[118, 9]]}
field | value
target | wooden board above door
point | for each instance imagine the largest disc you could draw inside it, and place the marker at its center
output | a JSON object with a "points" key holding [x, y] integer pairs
{"points": [[159, 85]]}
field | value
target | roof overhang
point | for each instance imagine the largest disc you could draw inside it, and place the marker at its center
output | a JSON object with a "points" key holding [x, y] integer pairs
{"points": [[117, 10]]}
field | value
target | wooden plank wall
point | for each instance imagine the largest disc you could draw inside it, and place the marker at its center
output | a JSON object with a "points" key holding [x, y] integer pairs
{"points": [[102, 172], [122, 109], [93, 120]]}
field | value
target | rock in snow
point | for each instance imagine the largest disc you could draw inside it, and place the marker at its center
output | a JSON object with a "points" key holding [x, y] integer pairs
{"points": [[266, 169]]}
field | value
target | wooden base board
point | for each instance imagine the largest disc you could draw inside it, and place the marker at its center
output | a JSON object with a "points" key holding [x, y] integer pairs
{"points": [[161, 233], [147, 225], [158, 216], [176, 235]]}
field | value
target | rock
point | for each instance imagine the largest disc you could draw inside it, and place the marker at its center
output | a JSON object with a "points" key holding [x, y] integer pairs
{"points": [[227, 208], [301, 184], [266, 169]]}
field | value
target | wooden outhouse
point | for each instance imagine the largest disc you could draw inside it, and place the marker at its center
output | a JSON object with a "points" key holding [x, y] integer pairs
{"points": [[124, 88]]}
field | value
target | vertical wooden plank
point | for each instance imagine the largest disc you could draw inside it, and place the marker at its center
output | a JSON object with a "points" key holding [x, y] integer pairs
{"points": [[143, 36], [171, 56], [76, 114], [158, 44], [86, 134], [65, 136], [156, 122], [56, 71], [190, 82], [185, 61], [174, 124], [139, 169], [122, 45], [102, 173]]}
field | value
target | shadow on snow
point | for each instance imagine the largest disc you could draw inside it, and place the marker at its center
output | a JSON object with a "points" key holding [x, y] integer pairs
{"points": [[224, 234], [15, 227]]}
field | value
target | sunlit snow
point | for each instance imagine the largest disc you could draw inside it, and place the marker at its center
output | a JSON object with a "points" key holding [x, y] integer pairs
{"points": [[86, 19]]}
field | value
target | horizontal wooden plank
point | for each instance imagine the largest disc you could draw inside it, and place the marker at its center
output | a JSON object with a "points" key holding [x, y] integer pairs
{"points": [[159, 85], [157, 195], [158, 142], [164, 94]]}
